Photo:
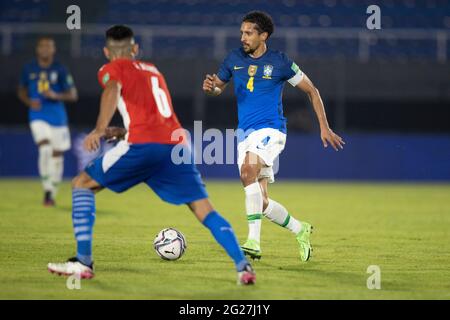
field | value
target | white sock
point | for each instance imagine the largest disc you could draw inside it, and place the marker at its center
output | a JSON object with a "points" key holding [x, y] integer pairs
{"points": [[44, 162], [254, 205], [56, 172], [278, 214]]}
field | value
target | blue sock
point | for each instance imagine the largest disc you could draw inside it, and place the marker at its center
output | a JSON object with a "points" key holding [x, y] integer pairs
{"points": [[83, 218], [224, 235]]}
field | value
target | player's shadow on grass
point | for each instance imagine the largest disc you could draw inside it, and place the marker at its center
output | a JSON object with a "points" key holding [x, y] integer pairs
{"points": [[313, 268], [97, 212], [156, 268]]}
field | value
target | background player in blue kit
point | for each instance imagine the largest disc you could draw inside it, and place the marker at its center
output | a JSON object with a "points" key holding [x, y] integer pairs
{"points": [[44, 87], [259, 75]]}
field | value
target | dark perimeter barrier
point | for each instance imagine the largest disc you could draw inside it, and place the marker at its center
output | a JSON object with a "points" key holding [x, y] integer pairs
{"points": [[365, 157]]}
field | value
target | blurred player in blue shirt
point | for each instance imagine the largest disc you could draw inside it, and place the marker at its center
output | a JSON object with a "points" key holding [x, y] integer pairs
{"points": [[44, 87], [259, 75]]}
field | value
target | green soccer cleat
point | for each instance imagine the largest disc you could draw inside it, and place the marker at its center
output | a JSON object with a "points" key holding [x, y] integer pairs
{"points": [[252, 248], [303, 241]]}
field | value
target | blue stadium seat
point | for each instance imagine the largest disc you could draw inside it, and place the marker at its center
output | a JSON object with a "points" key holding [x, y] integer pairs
{"points": [[324, 14]]}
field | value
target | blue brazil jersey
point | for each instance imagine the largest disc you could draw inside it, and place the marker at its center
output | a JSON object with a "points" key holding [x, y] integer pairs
{"points": [[37, 80], [258, 85]]}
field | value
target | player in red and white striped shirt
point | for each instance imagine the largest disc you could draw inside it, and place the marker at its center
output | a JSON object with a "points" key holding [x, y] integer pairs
{"points": [[140, 93]]}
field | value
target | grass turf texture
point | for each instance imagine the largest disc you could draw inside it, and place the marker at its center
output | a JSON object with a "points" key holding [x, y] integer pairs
{"points": [[402, 228]]}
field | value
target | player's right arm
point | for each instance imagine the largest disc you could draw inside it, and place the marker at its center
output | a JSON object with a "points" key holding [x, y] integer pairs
{"points": [[115, 133], [213, 86], [22, 92], [110, 79], [108, 106]]}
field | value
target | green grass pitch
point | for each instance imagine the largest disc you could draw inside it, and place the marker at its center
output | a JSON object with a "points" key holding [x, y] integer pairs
{"points": [[402, 228]]}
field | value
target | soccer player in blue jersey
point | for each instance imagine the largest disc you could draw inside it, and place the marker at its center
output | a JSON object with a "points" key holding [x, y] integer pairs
{"points": [[259, 74], [44, 87], [139, 91]]}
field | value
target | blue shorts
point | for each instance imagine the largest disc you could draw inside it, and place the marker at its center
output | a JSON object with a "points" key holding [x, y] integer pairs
{"points": [[127, 165]]}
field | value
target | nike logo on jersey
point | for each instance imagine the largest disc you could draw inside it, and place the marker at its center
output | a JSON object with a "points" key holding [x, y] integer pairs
{"points": [[237, 68]]}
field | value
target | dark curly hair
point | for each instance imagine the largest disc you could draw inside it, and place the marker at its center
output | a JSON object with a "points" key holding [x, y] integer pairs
{"points": [[263, 21]]}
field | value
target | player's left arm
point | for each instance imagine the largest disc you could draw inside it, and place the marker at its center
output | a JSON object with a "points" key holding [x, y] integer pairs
{"points": [[69, 91], [108, 106], [327, 135], [70, 95]]}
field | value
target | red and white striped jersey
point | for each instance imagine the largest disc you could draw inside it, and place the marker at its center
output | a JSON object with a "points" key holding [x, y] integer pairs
{"points": [[145, 103]]}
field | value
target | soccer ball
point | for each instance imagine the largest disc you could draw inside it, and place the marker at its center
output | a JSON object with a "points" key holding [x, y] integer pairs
{"points": [[170, 244]]}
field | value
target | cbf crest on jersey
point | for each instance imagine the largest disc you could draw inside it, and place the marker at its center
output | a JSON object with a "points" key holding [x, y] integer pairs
{"points": [[268, 68], [43, 84], [252, 70]]}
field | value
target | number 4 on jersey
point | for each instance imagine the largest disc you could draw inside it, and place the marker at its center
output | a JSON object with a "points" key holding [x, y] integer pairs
{"points": [[250, 84]]}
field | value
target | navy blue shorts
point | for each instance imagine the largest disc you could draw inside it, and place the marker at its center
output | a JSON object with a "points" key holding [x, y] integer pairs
{"points": [[127, 165]]}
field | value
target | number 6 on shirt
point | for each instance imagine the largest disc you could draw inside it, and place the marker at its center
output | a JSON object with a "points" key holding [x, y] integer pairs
{"points": [[160, 98]]}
